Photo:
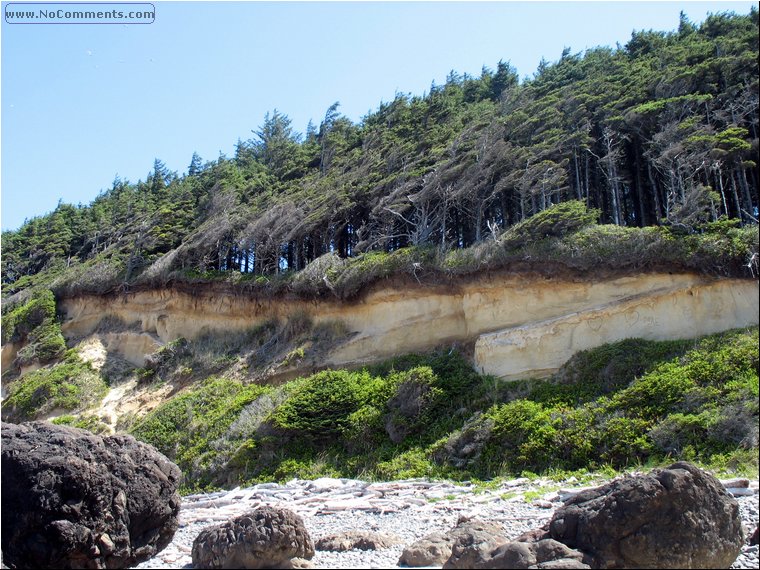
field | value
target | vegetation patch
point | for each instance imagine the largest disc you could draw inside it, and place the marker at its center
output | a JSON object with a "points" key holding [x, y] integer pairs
{"points": [[700, 405], [85, 421], [34, 325], [185, 427], [70, 385], [624, 404]]}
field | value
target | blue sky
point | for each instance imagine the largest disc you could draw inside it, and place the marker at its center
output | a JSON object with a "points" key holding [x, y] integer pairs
{"points": [[82, 103]]}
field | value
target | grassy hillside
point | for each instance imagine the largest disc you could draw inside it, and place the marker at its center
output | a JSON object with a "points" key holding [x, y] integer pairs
{"points": [[620, 405]]}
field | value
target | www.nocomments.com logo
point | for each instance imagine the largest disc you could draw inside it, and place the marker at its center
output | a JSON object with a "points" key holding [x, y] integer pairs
{"points": [[79, 13]]}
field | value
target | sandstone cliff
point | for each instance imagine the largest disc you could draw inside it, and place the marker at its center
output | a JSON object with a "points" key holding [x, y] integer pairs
{"points": [[520, 325]]}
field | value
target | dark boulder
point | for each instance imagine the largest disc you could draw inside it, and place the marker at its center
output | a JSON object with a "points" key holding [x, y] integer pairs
{"points": [[263, 538], [679, 517], [72, 499]]}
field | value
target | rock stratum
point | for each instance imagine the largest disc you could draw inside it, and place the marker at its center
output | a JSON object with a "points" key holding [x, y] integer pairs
{"points": [[519, 325]]}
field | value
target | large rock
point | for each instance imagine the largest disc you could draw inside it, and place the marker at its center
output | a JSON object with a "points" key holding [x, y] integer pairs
{"points": [[71, 499], [356, 540], [431, 550], [474, 541], [679, 517], [470, 537], [263, 538], [480, 545]]}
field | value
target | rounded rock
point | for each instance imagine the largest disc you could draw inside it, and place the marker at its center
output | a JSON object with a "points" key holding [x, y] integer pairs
{"points": [[263, 538]]}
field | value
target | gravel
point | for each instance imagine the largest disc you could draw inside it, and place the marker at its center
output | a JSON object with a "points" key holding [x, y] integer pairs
{"points": [[408, 509]]}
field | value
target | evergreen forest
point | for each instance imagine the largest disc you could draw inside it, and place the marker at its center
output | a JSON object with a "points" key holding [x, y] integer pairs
{"points": [[657, 140]]}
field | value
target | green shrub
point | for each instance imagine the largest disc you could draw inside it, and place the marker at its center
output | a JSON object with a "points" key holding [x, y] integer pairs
{"points": [[606, 369], [454, 374], [88, 422], [722, 249], [656, 393], [409, 464], [303, 469], [34, 324], [556, 221], [70, 385], [522, 435], [319, 406], [367, 268], [185, 427], [44, 344], [622, 404], [678, 431], [412, 407]]}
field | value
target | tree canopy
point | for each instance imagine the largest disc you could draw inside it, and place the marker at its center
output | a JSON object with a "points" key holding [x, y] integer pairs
{"points": [[660, 131]]}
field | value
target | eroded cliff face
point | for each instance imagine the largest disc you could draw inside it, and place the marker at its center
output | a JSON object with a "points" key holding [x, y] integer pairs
{"points": [[521, 325]]}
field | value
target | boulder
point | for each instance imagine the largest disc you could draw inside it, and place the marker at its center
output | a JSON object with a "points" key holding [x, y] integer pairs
{"points": [[679, 517], [473, 542], [431, 550], [545, 553], [469, 535], [356, 540], [267, 537], [481, 548], [72, 499]]}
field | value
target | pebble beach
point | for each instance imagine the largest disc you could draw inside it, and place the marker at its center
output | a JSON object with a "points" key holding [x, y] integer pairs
{"points": [[408, 509]]}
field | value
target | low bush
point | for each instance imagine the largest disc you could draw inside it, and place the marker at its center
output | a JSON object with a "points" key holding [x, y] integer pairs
{"points": [[619, 405], [694, 406], [71, 385], [85, 421], [184, 428], [34, 325], [558, 220], [368, 268]]}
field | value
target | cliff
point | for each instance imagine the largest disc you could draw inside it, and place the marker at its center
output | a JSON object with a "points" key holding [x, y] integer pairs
{"points": [[517, 325]]}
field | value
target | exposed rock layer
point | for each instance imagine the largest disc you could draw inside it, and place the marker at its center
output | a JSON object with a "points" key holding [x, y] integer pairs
{"points": [[523, 324]]}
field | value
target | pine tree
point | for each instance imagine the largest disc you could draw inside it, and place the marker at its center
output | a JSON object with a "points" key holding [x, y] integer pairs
{"points": [[196, 165]]}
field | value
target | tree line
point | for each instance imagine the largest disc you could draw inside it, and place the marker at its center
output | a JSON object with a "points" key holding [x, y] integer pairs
{"points": [[660, 131]]}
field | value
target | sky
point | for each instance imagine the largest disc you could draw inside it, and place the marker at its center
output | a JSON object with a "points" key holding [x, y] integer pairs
{"points": [[81, 104]]}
